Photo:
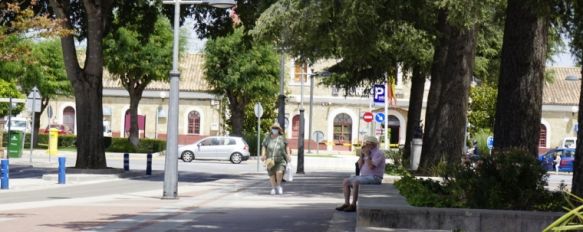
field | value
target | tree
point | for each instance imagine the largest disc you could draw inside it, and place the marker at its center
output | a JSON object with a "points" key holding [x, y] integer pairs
{"points": [[137, 60], [44, 70], [574, 26], [8, 89], [482, 107], [240, 72], [524, 53], [18, 23]]}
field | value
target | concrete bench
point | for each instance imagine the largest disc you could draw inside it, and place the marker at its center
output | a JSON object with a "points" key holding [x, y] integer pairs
{"points": [[381, 207]]}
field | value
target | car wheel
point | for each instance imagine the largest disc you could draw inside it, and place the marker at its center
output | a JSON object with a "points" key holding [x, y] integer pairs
{"points": [[187, 156], [236, 158]]}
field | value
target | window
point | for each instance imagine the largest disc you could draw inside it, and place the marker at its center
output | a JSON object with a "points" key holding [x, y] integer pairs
{"points": [[542, 140], [300, 71], [69, 118], [193, 122], [342, 129]]}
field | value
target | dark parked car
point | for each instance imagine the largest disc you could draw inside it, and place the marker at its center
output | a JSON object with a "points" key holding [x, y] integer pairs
{"points": [[567, 159]]}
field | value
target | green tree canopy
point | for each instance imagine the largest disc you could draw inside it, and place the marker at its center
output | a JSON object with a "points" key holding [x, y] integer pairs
{"points": [[243, 73], [137, 57]]}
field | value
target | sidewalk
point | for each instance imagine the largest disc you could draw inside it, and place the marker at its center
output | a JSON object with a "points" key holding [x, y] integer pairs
{"points": [[239, 204]]}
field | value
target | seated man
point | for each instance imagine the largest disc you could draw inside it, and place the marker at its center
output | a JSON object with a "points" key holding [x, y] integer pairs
{"points": [[372, 169]]}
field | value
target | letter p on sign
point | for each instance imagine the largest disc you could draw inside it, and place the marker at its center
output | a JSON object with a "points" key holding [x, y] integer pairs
{"points": [[379, 93]]}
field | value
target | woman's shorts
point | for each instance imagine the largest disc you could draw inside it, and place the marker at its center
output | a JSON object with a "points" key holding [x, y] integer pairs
{"points": [[366, 179]]}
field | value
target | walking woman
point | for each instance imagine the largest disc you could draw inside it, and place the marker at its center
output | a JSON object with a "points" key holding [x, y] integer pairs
{"points": [[276, 157]]}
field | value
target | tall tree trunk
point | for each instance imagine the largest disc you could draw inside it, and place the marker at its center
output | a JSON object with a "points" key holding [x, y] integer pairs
{"points": [[135, 97], [519, 102], [577, 182], [448, 131], [237, 119], [415, 107], [87, 82], [439, 58]]}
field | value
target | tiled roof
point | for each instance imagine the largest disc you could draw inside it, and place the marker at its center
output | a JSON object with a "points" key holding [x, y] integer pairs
{"points": [[191, 76], [562, 91]]}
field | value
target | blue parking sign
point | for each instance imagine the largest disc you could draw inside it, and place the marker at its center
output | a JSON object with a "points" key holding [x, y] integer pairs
{"points": [[490, 142], [379, 94]]}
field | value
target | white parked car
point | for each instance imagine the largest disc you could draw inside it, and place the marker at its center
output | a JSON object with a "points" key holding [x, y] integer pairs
{"points": [[234, 149], [17, 124]]}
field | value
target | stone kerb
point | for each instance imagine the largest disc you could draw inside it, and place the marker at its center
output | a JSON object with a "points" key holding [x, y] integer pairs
{"points": [[383, 206]]}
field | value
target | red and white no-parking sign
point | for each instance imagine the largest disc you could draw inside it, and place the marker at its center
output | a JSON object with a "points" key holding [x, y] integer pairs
{"points": [[367, 117]]}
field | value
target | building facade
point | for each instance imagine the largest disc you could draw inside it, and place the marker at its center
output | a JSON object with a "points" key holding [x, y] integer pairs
{"points": [[337, 114]]}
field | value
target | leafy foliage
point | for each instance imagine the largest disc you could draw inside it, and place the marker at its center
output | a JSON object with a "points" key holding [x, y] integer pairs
{"points": [[137, 56], [244, 74], [18, 22], [509, 179], [482, 107], [7, 90]]}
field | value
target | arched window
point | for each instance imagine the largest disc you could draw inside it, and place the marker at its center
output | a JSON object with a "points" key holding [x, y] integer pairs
{"points": [[69, 118], [295, 126], [193, 122], [542, 139], [342, 129]]}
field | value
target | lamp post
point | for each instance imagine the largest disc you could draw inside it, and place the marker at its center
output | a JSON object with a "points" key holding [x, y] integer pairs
{"points": [[171, 161], [281, 97]]}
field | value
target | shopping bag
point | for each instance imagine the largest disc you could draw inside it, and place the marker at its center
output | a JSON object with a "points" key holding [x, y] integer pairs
{"points": [[289, 173]]}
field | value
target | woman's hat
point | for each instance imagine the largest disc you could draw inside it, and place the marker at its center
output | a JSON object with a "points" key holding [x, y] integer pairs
{"points": [[276, 125], [371, 139]]}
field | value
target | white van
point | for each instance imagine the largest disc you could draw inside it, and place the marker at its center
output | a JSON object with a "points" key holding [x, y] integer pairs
{"points": [[569, 142], [17, 124]]}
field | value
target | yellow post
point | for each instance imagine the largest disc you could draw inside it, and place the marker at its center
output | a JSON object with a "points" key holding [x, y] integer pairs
{"points": [[53, 141]]}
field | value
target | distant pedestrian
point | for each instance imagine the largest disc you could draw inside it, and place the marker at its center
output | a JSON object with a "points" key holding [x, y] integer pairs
{"points": [[372, 168], [276, 157], [557, 162]]}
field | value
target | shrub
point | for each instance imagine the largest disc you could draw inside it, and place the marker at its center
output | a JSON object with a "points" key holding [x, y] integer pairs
{"points": [[482, 138], [251, 140], [145, 146], [396, 167], [510, 179]]}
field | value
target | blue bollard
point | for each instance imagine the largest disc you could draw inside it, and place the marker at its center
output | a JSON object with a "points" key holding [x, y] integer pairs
{"points": [[126, 162], [4, 171], [149, 164], [62, 170]]}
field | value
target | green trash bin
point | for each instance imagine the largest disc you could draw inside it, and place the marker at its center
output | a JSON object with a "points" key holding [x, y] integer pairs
{"points": [[15, 144]]}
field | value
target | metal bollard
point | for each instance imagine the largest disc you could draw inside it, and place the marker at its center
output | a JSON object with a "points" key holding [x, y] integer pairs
{"points": [[149, 164], [4, 169], [62, 170], [126, 162]]}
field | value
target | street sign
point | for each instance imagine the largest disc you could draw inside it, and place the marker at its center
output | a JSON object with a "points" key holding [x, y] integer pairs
{"points": [[367, 117], [319, 136], [379, 94], [490, 142], [379, 117], [258, 110], [33, 101]]}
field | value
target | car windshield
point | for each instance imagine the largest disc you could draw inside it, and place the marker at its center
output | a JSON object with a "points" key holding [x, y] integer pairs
{"points": [[18, 123]]}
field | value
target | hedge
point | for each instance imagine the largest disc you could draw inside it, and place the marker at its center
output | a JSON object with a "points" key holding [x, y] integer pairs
{"points": [[117, 144]]}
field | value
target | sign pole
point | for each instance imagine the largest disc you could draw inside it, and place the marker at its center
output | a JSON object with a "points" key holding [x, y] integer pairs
{"points": [[258, 141], [386, 111], [258, 110]]}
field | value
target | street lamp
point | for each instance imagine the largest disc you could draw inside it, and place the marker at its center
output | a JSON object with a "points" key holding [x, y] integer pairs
{"points": [[171, 161]]}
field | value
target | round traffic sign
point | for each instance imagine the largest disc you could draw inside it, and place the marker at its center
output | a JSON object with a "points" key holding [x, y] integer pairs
{"points": [[319, 136], [367, 117]]}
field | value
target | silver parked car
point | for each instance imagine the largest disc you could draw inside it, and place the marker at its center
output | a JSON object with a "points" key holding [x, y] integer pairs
{"points": [[230, 148]]}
